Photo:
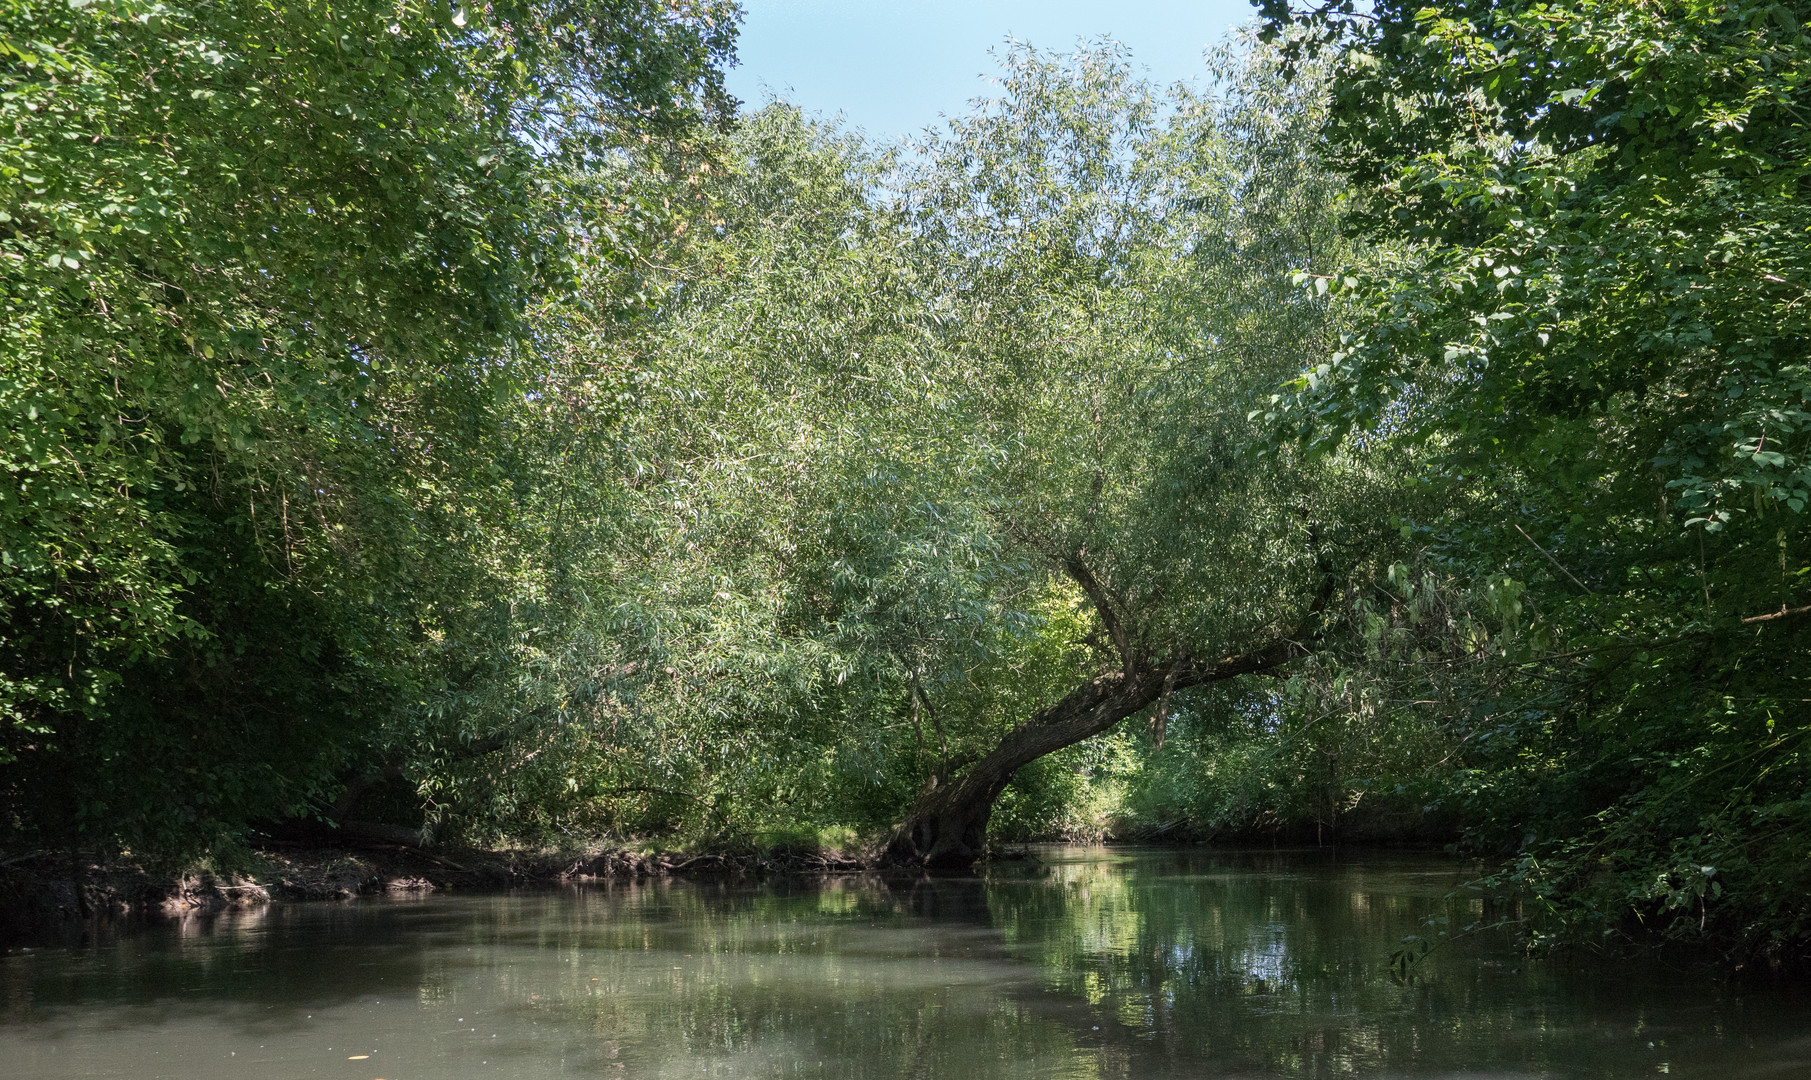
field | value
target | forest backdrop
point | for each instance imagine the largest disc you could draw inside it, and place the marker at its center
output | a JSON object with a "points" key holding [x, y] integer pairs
{"points": [[469, 419]]}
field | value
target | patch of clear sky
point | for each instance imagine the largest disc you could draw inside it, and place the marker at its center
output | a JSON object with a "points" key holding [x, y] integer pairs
{"points": [[891, 68]]}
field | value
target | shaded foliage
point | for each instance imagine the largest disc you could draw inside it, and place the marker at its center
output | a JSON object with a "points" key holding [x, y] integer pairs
{"points": [[1591, 334], [266, 267]]}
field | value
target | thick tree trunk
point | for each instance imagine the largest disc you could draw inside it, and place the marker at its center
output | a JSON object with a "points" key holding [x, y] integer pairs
{"points": [[947, 826]]}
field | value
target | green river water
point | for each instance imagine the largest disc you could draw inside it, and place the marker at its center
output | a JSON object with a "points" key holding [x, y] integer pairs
{"points": [[1090, 962]]}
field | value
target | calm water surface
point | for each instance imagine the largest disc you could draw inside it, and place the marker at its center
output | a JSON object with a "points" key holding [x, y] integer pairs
{"points": [[1093, 963]]}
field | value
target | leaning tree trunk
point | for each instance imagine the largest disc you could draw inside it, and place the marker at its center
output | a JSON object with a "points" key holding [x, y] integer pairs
{"points": [[947, 826]]}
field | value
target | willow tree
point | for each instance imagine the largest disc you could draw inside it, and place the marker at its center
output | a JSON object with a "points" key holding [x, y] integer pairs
{"points": [[1116, 265], [956, 449]]}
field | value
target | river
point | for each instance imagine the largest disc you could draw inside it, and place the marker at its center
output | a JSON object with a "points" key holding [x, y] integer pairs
{"points": [[1087, 963]]}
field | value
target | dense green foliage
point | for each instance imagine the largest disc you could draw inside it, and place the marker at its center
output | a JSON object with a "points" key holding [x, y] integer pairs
{"points": [[1591, 335], [266, 267], [871, 439], [442, 415]]}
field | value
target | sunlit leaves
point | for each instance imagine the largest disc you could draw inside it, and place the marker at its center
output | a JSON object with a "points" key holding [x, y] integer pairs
{"points": [[1587, 321], [888, 401], [265, 267]]}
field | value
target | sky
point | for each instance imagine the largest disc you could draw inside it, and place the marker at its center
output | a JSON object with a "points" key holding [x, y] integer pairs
{"points": [[891, 68]]}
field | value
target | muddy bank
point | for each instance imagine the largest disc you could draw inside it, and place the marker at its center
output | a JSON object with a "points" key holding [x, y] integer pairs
{"points": [[50, 895]]}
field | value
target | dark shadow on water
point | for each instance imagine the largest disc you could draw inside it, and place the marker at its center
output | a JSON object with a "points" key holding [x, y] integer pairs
{"points": [[1084, 962]]}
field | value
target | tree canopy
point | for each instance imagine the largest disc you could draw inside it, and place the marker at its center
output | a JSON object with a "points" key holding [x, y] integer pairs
{"points": [[1588, 326], [467, 420], [267, 267]]}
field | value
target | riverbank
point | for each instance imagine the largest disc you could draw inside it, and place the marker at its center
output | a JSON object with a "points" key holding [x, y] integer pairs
{"points": [[52, 894]]}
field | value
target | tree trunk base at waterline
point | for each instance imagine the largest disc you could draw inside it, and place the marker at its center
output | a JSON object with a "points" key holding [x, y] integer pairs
{"points": [[942, 834]]}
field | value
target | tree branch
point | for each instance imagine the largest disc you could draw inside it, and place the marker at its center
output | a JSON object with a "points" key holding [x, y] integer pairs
{"points": [[1108, 616], [1556, 563], [1782, 613], [1290, 646]]}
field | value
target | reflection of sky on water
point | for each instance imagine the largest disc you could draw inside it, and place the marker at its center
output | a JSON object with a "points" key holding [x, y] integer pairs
{"points": [[1266, 957], [1088, 964]]}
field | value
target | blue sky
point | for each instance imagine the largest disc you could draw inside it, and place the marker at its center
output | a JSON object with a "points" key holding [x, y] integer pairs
{"points": [[891, 67]]}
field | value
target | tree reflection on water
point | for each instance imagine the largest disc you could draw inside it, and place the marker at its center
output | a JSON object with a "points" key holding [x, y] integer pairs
{"points": [[1085, 963]]}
